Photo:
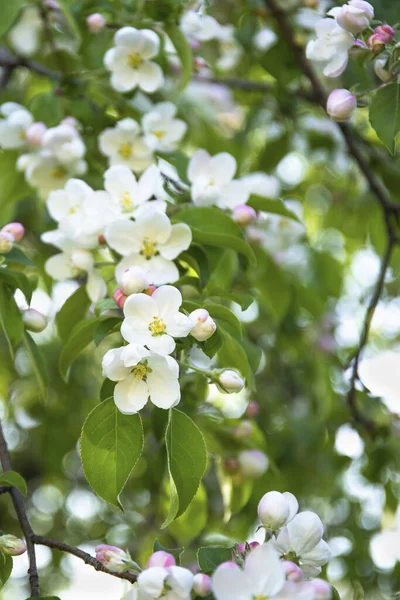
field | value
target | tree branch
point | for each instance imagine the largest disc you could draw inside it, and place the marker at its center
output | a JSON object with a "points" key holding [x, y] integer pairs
{"points": [[10, 62], [19, 506], [87, 558]]}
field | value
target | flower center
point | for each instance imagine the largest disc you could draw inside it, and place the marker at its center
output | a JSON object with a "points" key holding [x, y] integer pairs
{"points": [[22, 135], [140, 371], [126, 202], [125, 150], [135, 60], [157, 326], [159, 133], [58, 173], [259, 597], [149, 249]]}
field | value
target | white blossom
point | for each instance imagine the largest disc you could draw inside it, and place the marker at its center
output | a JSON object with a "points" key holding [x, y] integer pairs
{"points": [[199, 27], [261, 184], [331, 47], [14, 125], [276, 510], [171, 583], [24, 37], [63, 143], [162, 131], [124, 145], [232, 406], [46, 173], [231, 51], [129, 60]]}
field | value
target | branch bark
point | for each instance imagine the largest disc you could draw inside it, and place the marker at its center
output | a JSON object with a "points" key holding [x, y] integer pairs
{"points": [[10, 62]]}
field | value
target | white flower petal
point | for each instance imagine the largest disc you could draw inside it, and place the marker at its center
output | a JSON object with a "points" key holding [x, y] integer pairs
{"points": [[163, 384], [265, 571], [150, 76], [120, 235], [179, 240], [130, 395], [230, 583], [113, 365], [305, 531]]}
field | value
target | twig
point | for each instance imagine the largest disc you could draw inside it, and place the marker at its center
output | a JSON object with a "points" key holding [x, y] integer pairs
{"points": [[11, 62], [4, 489], [19, 506], [87, 558]]}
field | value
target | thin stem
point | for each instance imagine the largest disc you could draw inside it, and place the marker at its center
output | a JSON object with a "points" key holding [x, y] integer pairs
{"points": [[87, 558], [19, 506], [10, 62]]}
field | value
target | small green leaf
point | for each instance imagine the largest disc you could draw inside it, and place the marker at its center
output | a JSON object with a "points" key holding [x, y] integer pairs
{"points": [[384, 115], [81, 336], [209, 557], [37, 363], [6, 565], [18, 256], [183, 50], [46, 107], [274, 287], [15, 480], [176, 552], [103, 305], [17, 280], [189, 525], [187, 462], [9, 10], [272, 206], [10, 318], [105, 327], [73, 310], [66, 9], [111, 445]]}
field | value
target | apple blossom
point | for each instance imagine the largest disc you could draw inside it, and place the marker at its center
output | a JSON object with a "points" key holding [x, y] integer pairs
{"points": [[34, 320], [133, 281], [276, 509], [14, 125], [386, 32], [24, 37], [262, 577], [375, 42], [232, 406], [6, 242], [141, 375], [265, 39], [246, 547], [322, 589], [380, 70], [63, 143], [331, 47], [113, 558], [95, 22], [154, 321], [47, 173], [253, 463], [162, 131], [124, 145], [11, 545], [244, 215], [202, 585], [354, 16], [341, 105], [230, 382], [161, 559], [129, 60], [261, 184], [230, 49], [171, 583], [203, 326], [34, 134], [199, 27], [212, 180], [17, 230], [152, 243]]}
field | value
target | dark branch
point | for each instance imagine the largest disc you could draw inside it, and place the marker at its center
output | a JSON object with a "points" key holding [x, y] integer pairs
{"points": [[10, 62], [4, 489], [87, 558], [19, 506]]}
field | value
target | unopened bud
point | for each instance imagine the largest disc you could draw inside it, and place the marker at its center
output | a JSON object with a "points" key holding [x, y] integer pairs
{"points": [[112, 557], [202, 585], [17, 230], [243, 430], [341, 105], [247, 547], [119, 297], [161, 559], [322, 589], [203, 325], [150, 290], [252, 410], [101, 239], [379, 68], [34, 320], [276, 509], [6, 242], [355, 16], [375, 42], [253, 463], [133, 281], [35, 132], [292, 571], [230, 382], [9, 544], [95, 22], [244, 215], [386, 32]]}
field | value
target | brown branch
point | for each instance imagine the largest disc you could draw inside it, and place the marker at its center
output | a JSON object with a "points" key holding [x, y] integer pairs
{"points": [[19, 506], [87, 558], [10, 62]]}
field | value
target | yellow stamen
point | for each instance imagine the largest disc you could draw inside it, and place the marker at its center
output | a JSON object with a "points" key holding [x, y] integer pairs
{"points": [[159, 133], [22, 135], [126, 202], [260, 597], [58, 173], [135, 60], [140, 371], [157, 326], [148, 249], [125, 150]]}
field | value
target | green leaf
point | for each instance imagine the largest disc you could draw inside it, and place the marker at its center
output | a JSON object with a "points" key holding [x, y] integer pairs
{"points": [[176, 552], [384, 115], [46, 107], [9, 11], [72, 311], [111, 445], [15, 480], [210, 226], [189, 525], [209, 557], [107, 389], [18, 256], [6, 565], [105, 327], [187, 462], [10, 318], [274, 287], [233, 354], [103, 305], [81, 336], [183, 50], [37, 362], [17, 280], [13, 187], [64, 4], [272, 206], [335, 594]]}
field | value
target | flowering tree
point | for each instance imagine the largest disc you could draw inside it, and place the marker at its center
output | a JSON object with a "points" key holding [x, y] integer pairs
{"points": [[200, 218]]}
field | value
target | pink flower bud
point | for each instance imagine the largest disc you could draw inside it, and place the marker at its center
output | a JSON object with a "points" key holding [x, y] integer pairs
{"points": [[71, 121], [322, 589], [229, 381], [375, 42], [134, 280], [150, 290], [112, 557], [203, 324], [292, 571], [243, 430], [253, 463], [252, 410], [243, 547], [35, 133], [386, 32], [202, 585], [101, 239], [229, 564], [244, 215], [9, 544], [161, 559], [355, 16], [34, 320], [51, 4], [341, 105], [17, 230], [95, 22], [119, 297], [6, 242]]}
